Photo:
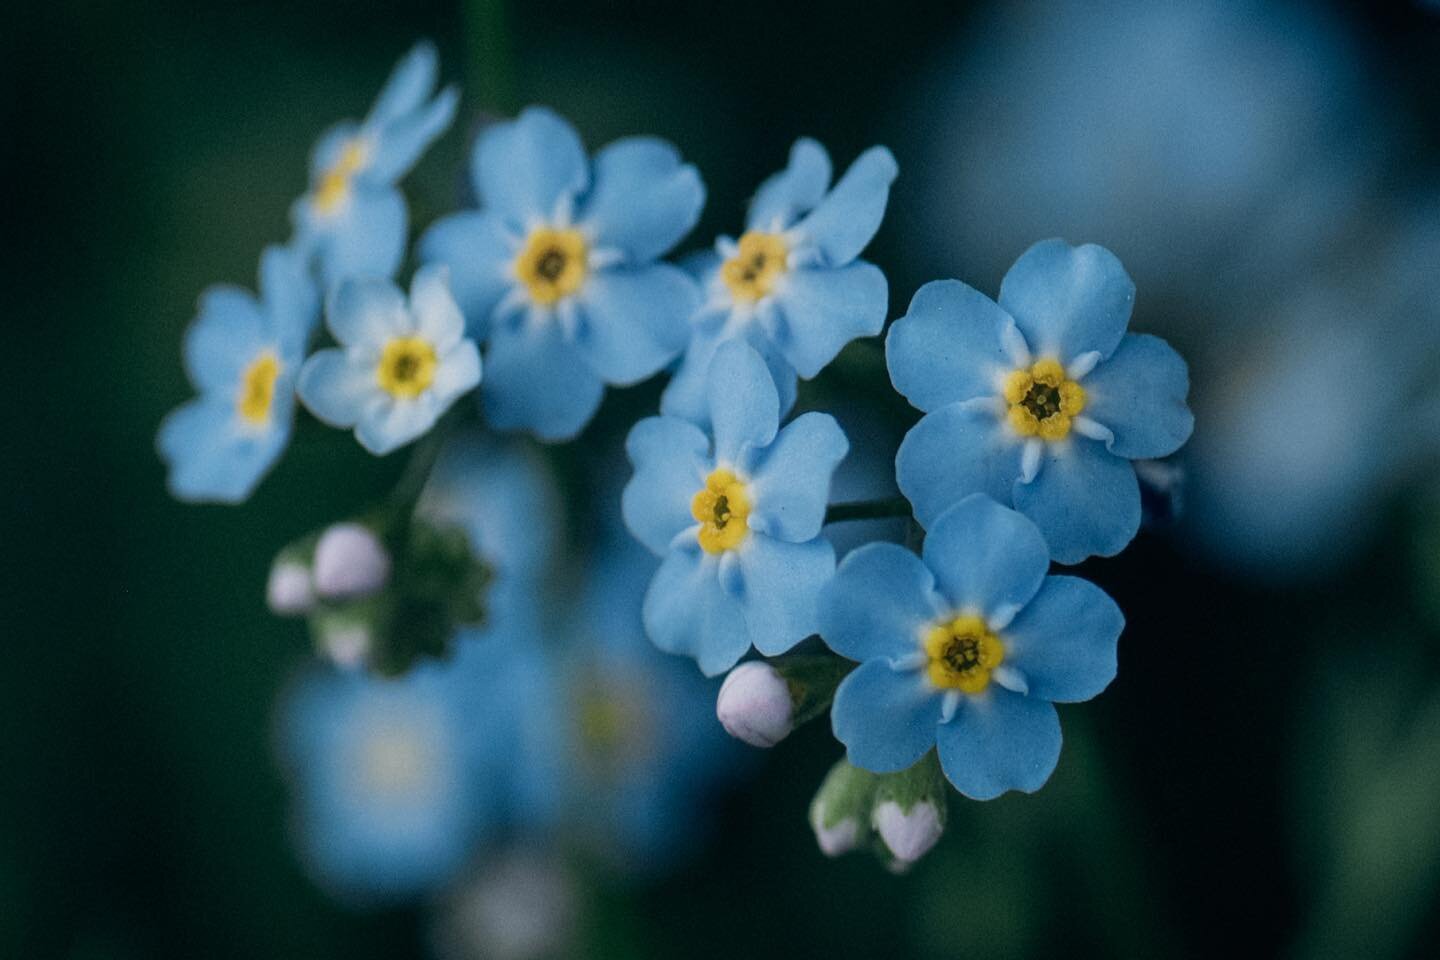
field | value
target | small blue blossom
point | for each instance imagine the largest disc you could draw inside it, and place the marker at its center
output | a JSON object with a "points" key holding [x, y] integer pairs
{"points": [[399, 366], [965, 650], [242, 355], [353, 220], [736, 514], [1040, 401], [791, 286], [557, 274]]}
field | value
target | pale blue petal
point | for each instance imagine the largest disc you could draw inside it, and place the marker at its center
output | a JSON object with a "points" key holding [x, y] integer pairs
{"points": [[1068, 300], [335, 389], [367, 312], [644, 199], [480, 253], [1139, 394], [824, 309], [790, 480], [744, 406], [387, 426], [436, 316], [404, 139], [211, 457], [367, 240], [793, 192], [329, 147], [536, 380], [457, 373], [886, 718], [1063, 642], [846, 220], [290, 298], [999, 741], [1085, 500], [881, 599], [954, 452], [948, 347], [985, 557], [408, 85], [781, 589], [671, 461], [687, 613], [521, 168], [224, 338], [633, 321], [685, 395]]}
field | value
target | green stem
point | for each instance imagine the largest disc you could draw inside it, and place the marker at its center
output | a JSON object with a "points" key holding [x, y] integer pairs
{"points": [[867, 510]]}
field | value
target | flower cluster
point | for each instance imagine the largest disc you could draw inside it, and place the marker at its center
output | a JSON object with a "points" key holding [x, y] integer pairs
{"points": [[527, 700]]}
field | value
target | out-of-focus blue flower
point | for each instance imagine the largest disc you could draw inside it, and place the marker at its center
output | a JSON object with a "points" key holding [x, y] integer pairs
{"points": [[242, 355], [353, 220], [1040, 401], [965, 650], [398, 367], [557, 274], [791, 286], [737, 516]]}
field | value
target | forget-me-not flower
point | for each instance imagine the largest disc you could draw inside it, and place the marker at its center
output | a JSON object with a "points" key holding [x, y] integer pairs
{"points": [[557, 271], [1041, 401], [242, 355], [736, 514], [791, 285], [965, 650], [353, 220], [399, 366]]}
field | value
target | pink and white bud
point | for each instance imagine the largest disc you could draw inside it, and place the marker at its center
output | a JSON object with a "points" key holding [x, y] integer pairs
{"points": [[350, 561], [838, 838], [289, 591], [909, 836], [755, 705], [346, 645]]}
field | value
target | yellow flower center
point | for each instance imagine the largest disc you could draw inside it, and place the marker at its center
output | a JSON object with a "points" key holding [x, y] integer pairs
{"points": [[334, 189], [962, 654], [760, 261], [407, 367], [1042, 401], [257, 389], [721, 506], [552, 264]]}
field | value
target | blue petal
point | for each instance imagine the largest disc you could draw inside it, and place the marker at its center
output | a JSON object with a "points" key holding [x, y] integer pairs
{"points": [[879, 601], [781, 589], [685, 395], [435, 314], [956, 451], [743, 403], [633, 320], [290, 298], [408, 85], [1085, 500], [1139, 395], [986, 557], [825, 309], [948, 347], [1068, 300], [886, 718], [1063, 642], [480, 253], [999, 741], [671, 461], [402, 141], [224, 338], [367, 312], [387, 426], [536, 380], [366, 240], [686, 612], [793, 192], [644, 199], [522, 168], [335, 389], [329, 147], [790, 482], [211, 457], [846, 220]]}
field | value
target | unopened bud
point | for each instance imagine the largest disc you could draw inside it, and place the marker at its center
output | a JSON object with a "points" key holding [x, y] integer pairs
{"points": [[350, 561], [840, 812], [345, 643], [909, 835], [754, 704], [289, 592]]}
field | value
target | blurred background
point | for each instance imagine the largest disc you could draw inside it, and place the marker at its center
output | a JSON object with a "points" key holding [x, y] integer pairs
{"points": [[1263, 777]]}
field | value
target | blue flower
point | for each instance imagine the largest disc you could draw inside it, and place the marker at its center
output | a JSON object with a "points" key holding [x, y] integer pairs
{"points": [[398, 367], [353, 219], [736, 514], [557, 274], [242, 355], [791, 286], [965, 650], [1040, 401]]}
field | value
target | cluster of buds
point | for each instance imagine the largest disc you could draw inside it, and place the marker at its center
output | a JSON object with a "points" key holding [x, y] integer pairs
{"points": [[897, 816]]}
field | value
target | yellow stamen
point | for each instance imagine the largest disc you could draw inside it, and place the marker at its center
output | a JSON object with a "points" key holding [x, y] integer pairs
{"points": [[722, 507], [257, 389], [758, 263], [1042, 401], [962, 654], [334, 189], [552, 264], [407, 367]]}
